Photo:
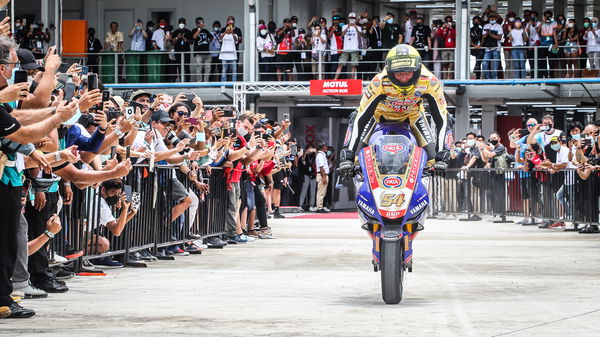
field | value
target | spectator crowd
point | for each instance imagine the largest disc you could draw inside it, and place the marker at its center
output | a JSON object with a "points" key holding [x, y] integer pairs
{"points": [[556, 174], [64, 137]]}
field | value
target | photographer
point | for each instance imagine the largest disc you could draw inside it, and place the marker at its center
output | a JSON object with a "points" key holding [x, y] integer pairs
{"points": [[448, 36], [492, 34], [284, 65], [182, 40]]}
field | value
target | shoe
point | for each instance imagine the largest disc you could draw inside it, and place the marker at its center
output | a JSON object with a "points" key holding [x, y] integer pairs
{"points": [[545, 224], [558, 224], [304, 209], [215, 242], [134, 257], [312, 209], [327, 209], [57, 259], [321, 210], [247, 238], [266, 234], [145, 255], [180, 252], [108, 263], [5, 312], [62, 274], [590, 229], [30, 291], [192, 249], [253, 233], [17, 311], [236, 239], [87, 265], [192, 236], [474, 217], [198, 244], [50, 285], [278, 215], [523, 221]]}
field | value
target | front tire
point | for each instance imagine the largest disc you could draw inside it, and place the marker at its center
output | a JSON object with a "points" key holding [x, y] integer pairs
{"points": [[392, 272]]}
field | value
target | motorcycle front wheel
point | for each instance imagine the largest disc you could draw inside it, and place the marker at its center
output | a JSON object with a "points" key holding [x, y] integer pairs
{"points": [[392, 273]]}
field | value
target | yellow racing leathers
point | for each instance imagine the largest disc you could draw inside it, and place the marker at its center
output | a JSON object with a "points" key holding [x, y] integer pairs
{"points": [[382, 101]]}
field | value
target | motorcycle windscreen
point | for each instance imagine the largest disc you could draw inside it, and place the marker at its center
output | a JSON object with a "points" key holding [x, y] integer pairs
{"points": [[393, 153]]}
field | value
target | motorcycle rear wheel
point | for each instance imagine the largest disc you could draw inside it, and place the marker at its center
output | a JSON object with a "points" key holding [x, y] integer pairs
{"points": [[392, 271]]}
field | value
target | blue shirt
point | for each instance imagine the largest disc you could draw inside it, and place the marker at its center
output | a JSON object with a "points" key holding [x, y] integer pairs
{"points": [[89, 144]]}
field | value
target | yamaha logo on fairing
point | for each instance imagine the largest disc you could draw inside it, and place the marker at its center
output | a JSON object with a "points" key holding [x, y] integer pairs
{"points": [[419, 207], [365, 207], [392, 182]]}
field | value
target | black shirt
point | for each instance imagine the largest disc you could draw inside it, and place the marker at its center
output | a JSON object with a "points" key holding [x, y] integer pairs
{"points": [[181, 44], [391, 33], [8, 124], [375, 38], [476, 33], [421, 33], [203, 39]]}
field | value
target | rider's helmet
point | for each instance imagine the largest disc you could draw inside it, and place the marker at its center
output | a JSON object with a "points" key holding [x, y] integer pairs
{"points": [[403, 58]]}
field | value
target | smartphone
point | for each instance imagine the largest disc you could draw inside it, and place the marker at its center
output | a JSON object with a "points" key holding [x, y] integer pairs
{"points": [[69, 89], [128, 192], [20, 76], [129, 113], [205, 180], [523, 132], [84, 70], [544, 128], [92, 81], [105, 95], [190, 97], [113, 152], [286, 116], [128, 151], [193, 120], [228, 113], [63, 66], [136, 105]]}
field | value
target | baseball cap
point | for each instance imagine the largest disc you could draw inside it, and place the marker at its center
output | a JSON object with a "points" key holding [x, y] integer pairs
{"points": [[553, 139], [352, 16], [161, 116], [139, 93], [118, 100], [28, 61]]}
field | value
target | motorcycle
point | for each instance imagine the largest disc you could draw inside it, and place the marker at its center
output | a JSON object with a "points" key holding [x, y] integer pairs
{"points": [[392, 200]]}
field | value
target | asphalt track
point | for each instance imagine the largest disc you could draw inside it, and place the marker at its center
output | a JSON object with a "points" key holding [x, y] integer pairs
{"points": [[469, 279]]}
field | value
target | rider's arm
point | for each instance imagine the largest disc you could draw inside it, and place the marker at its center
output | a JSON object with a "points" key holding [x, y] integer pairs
{"points": [[439, 113]]}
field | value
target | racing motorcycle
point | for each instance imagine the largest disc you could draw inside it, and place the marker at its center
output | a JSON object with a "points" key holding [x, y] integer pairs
{"points": [[392, 200]]}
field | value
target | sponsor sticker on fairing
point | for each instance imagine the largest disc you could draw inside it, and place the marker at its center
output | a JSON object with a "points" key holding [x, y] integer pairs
{"points": [[392, 182], [393, 148]]}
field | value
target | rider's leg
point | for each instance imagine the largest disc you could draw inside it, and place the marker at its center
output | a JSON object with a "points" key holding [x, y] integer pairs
{"points": [[424, 135]]}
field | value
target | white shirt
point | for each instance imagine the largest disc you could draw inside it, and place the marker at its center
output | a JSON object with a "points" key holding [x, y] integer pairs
{"points": [[322, 162], [408, 27], [159, 38], [267, 42], [497, 27], [533, 34], [318, 44], [138, 42], [517, 37], [592, 41], [351, 37], [228, 51], [106, 214]]}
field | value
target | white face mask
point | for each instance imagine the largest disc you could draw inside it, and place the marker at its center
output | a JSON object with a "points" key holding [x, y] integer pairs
{"points": [[294, 25], [263, 32], [181, 25], [241, 131]]}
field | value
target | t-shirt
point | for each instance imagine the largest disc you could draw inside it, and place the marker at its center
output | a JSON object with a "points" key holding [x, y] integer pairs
{"points": [[421, 33], [543, 139], [391, 33], [202, 41], [182, 45], [106, 214], [112, 41], [351, 37], [228, 49], [9, 125], [159, 38], [336, 43], [322, 162], [517, 37], [138, 42], [448, 35], [495, 28], [534, 37], [375, 37], [408, 27]]}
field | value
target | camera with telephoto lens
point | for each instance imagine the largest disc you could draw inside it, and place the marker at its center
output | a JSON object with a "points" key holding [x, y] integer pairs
{"points": [[174, 139]]}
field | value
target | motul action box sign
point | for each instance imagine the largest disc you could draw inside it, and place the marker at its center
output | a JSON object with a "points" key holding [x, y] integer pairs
{"points": [[335, 87]]}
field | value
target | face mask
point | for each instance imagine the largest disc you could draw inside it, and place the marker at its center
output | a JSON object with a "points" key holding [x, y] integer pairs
{"points": [[263, 32], [592, 139], [73, 119], [242, 132], [390, 20], [419, 24], [17, 25], [150, 28], [138, 27], [475, 24], [586, 24], [494, 142], [342, 25], [363, 21], [216, 29], [329, 153], [576, 137], [458, 149], [511, 19], [162, 26], [555, 147], [112, 201], [548, 18], [594, 24], [181, 25], [294, 25], [470, 142], [570, 25], [272, 29], [492, 22]]}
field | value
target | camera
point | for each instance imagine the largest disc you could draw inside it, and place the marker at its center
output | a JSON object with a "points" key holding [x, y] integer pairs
{"points": [[172, 138]]}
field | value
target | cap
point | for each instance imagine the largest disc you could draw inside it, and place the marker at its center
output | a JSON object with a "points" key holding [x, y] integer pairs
{"points": [[301, 31], [262, 27], [412, 11], [352, 16], [118, 100], [139, 93], [553, 139], [28, 61], [294, 18], [161, 116]]}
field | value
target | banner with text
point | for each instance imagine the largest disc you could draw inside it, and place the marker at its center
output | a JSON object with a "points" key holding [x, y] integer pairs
{"points": [[335, 87]]}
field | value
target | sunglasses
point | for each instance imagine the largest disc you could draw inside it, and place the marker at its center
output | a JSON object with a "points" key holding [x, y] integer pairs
{"points": [[183, 113], [531, 125]]}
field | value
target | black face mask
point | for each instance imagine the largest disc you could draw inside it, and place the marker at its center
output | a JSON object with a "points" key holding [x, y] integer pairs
{"points": [[112, 201], [494, 142], [272, 29]]}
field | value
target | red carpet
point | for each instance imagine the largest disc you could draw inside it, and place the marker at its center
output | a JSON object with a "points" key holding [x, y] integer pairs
{"points": [[332, 215]]}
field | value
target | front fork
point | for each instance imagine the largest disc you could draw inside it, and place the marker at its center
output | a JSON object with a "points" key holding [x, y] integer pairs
{"points": [[407, 238]]}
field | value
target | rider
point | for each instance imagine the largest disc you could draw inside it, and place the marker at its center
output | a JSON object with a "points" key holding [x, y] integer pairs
{"points": [[396, 95]]}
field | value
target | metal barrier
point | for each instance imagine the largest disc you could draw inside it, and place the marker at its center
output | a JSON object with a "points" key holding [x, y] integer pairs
{"points": [[508, 62], [151, 228], [561, 196]]}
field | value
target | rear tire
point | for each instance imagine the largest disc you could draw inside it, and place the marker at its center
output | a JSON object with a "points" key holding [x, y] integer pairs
{"points": [[392, 272]]}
